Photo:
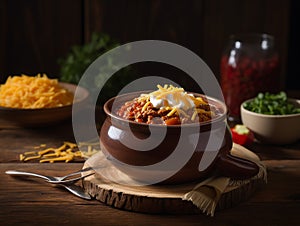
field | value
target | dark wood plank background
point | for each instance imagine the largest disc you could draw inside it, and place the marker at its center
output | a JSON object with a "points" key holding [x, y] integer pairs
{"points": [[34, 34]]}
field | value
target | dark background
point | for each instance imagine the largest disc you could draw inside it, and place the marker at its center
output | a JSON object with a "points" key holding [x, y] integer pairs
{"points": [[36, 33]]}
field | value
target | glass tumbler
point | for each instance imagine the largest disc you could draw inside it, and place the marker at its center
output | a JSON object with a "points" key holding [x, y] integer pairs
{"points": [[249, 65]]}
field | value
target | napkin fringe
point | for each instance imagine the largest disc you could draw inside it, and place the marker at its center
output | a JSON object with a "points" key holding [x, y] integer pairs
{"points": [[203, 202], [208, 204]]}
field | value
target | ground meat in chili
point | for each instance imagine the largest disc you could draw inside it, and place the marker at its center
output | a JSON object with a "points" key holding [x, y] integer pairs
{"points": [[133, 110]]}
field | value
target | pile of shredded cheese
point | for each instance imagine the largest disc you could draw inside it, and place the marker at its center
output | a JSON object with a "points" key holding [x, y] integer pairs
{"points": [[33, 92], [174, 99], [66, 152]]}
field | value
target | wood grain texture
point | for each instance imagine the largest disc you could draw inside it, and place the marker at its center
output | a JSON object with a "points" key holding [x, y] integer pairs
{"points": [[3, 40], [201, 26], [37, 33], [161, 199], [33, 202], [26, 139]]}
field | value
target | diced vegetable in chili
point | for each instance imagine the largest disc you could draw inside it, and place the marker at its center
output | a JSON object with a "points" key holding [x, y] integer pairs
{"points": [[271, 104]]}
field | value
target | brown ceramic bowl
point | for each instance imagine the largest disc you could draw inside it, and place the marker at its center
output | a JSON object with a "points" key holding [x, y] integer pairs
{"points": [[42, 116], [183, 153]]}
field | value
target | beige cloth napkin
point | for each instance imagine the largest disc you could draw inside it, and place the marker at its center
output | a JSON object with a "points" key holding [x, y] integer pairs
{"points": [[206, 194]]}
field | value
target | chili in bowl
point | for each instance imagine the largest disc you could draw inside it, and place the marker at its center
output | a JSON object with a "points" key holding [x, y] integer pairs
{"points": [[170, 136]]}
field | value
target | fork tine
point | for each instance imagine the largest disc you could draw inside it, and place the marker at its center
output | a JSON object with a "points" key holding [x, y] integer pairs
{"points": [[78, 172], [71, 180]]}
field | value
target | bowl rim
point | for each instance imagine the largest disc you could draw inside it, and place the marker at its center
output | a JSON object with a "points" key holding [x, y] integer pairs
{"points": [[270, 116], [218, 119], [63, 84]]}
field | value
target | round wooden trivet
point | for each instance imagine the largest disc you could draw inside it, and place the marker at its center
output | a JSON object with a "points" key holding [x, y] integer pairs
{"points": [[159, 198]]}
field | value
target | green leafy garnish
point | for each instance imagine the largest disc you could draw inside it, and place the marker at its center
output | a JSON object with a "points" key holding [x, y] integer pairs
{"points": [[271, 104], [80, 57]]}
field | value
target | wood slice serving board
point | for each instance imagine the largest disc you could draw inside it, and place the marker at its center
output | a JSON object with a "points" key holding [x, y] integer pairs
{"points": [[156, 198]]}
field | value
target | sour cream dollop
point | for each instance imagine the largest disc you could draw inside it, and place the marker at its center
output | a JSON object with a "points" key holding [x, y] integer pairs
{"points": [[171, 97]]}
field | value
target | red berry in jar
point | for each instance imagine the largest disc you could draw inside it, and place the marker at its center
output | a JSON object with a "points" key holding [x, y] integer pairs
{"points": [[249, 65]]}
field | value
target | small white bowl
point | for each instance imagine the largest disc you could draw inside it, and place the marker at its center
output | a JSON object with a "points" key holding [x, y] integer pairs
{"points": [[273, 129]]}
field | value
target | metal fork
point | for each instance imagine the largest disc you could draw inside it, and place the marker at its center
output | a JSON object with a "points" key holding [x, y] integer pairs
{"points": [[67, 184], [52, 179]]}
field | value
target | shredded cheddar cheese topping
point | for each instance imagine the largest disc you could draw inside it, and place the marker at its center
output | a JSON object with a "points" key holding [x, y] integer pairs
{"points": [[33, 92], [174, 99], [169, 105], [66, 152]]}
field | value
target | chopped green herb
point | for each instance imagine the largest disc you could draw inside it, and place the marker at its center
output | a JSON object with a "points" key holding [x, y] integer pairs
{"points": [[80, 57], [271, 104]]}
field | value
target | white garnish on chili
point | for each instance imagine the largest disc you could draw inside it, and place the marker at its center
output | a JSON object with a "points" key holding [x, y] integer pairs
{"points": [[171, 96]]}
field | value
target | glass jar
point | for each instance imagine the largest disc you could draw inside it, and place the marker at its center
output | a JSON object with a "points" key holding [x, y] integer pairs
{"points": [[249, 65]]}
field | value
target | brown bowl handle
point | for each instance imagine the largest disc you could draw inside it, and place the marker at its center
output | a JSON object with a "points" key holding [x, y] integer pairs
{"points": [[236, 168]]}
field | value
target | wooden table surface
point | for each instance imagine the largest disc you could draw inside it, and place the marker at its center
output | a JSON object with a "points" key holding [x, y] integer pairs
{"points": [[34, 202]]}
